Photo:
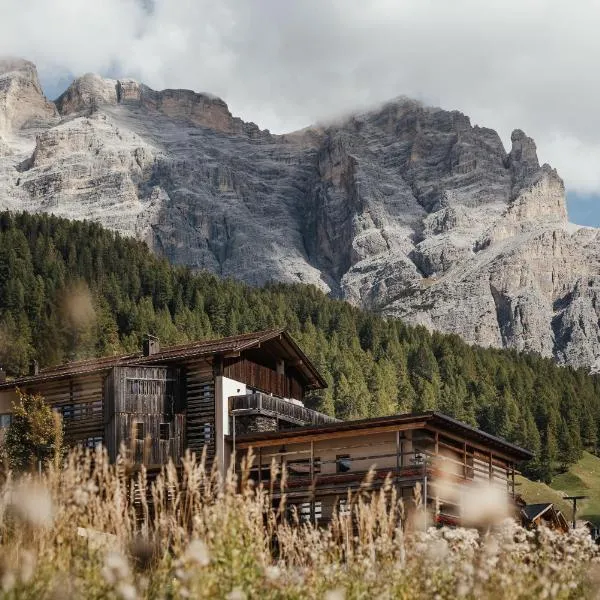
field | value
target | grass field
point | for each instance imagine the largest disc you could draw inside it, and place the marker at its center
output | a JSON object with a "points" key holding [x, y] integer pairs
{"points": [[583, 478], [74, 532]]}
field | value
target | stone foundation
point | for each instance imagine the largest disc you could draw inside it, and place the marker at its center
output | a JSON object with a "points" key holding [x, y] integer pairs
{"points": [[255, 424]]}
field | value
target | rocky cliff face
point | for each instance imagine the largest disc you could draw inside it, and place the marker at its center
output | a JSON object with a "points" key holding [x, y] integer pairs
{"points": [[406, 209]]}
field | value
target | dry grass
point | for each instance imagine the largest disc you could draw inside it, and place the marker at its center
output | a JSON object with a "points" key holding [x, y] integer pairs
{"points": [[72, 533]]}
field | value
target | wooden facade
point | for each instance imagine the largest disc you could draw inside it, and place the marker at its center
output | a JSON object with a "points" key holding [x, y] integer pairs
{"points": [[159, 403], [447, 459], [144, 413]]}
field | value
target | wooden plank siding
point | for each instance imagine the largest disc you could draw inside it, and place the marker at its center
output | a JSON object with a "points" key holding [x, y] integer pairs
{"points": [[143, 412], [200, 408], [79, 401], [318, 482], [263, 378]]}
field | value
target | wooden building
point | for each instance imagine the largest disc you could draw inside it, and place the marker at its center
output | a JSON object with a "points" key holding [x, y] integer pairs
{"points": [[159, 402], [246, 391], [446, 458], [546, 514]]}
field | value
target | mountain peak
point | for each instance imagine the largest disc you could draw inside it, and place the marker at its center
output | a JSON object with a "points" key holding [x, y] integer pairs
{"points": [[12, 64], [86, 92], [90, 91], [22, 102]]}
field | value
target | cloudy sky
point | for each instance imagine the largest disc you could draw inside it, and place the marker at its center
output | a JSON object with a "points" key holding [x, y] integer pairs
{"points": [[285, 64]]}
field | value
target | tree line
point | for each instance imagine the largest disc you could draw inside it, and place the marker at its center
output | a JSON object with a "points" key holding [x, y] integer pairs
{"points": [[71, 290]]}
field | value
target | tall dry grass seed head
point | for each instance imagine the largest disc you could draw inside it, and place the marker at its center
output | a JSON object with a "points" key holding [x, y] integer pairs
{"points": [[31, 502], [197, 536]]}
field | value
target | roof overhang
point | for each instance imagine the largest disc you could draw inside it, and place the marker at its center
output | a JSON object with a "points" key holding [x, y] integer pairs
{"points": [[402, 421], [229, 346]]}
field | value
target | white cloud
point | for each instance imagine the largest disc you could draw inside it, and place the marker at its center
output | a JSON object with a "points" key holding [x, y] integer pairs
{"points": [[288, 63]]}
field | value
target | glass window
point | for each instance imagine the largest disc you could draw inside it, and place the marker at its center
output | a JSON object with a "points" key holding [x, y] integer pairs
{"points": [[342, 463], [92, 442], [139, 430], [5, 420], [165, 431]]}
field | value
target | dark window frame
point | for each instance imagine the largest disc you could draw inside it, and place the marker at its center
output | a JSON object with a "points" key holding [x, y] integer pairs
{"points": [[162, 427], [338, 463], [139, 426]]}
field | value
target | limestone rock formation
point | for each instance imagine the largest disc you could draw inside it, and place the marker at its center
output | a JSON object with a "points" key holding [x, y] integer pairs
{"points": [[405, 209]]}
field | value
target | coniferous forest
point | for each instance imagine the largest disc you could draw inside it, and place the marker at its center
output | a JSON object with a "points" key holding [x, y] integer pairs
{"points": [[71, 290]]}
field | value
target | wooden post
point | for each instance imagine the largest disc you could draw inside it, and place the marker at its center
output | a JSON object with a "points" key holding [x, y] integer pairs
{"points": [[312, 482], [574, 499], [259, 467], [425, 497], [436, 499], [491, 469], [512, 471], [397, 458], [465, 470]]}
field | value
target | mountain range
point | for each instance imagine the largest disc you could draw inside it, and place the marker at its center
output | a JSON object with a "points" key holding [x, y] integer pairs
{"points": [[405, 209]]}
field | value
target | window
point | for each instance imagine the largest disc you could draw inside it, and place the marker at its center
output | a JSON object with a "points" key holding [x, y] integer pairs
{"points": [[343, 463], [207, 433], [83, 410], [306, 512], [5, 420], [139, 430], [343, 507], [92, 442], [165, 431]]}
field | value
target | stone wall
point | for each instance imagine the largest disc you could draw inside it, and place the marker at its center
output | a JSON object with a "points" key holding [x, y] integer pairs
{"points": [[255, 424]]}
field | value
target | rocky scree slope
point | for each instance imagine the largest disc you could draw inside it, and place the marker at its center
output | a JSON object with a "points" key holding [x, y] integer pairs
{"points": [[405, 209]]}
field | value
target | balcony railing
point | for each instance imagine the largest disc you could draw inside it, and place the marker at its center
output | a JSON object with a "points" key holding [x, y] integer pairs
{"points": [[272, 406]]}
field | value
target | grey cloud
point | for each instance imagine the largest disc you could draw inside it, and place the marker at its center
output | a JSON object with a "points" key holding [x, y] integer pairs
{"points": [[288, 63]]}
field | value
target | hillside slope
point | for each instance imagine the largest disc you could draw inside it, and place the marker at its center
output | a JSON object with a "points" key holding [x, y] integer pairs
{"points": [[582, 479], [405, 209]]}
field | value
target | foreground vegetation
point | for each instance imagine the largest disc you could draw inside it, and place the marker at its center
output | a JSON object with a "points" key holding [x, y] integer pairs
{"points": [[71, 290], [71, 533]]}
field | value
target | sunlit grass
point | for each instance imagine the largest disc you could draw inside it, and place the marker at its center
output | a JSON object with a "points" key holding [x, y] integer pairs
{"points": [[73, 533]]}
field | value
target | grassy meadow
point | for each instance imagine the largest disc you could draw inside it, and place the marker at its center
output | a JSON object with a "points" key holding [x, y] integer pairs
{"points": [[72, 532]]}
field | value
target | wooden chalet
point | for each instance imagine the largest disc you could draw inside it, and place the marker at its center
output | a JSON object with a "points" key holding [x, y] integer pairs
{"points": [[159, 402], [446, 457], [246, 391]]}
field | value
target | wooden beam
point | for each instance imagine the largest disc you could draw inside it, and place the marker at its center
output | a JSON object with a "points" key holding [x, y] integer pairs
{"points": [[312, 483], [512, 470], [485, 450], [259, 466], [327, 436]]}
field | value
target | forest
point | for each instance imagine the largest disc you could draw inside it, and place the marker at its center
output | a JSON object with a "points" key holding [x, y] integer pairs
{"points": [[72, 290]]}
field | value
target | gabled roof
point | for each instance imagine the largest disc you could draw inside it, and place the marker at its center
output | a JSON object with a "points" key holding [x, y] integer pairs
{"points": [[232, 345], [534, 511]]}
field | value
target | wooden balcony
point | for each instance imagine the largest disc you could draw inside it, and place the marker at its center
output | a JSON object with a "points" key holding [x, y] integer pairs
{"points": [[278, 408]]}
